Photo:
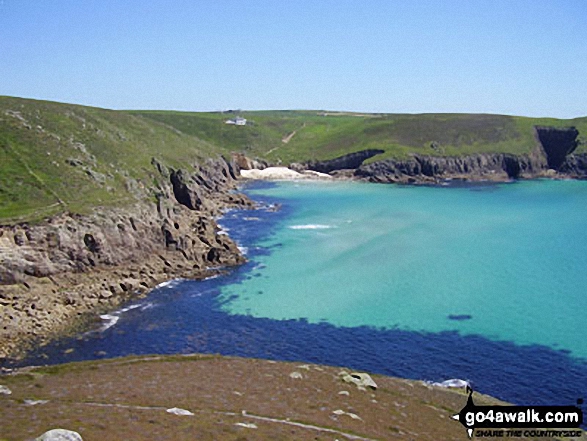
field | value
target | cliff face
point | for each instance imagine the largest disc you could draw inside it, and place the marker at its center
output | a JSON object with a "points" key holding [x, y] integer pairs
{"points": [[553, 152], [575, 166], [350, 161], [431, 168], [52, 272]]}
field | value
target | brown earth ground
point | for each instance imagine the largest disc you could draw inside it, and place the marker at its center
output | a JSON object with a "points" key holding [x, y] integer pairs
{"points": [[231, 399]]}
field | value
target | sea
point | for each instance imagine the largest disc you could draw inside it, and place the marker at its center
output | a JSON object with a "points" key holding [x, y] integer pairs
{"points": [[483, 282]]}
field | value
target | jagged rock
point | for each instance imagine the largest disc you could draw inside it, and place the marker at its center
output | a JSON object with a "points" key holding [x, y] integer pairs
{"points": [[480, 166], [185, 193], [360, 379], [162, 169], [350, 161], [242, 162], [56, 260], [74, 162], [575, 165], [60, 435], [4, 390]]}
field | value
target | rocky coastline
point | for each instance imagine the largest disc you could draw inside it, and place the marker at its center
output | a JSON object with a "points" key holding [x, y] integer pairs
{"points": [[56, 273], [53, 273], [552, 157]]}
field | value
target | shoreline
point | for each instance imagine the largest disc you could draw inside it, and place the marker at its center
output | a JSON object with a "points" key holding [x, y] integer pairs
{"points": [[57, 273], [127, 252]]}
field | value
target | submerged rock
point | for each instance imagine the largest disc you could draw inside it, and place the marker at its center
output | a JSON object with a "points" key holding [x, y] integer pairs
{"points": [[460, 317]]}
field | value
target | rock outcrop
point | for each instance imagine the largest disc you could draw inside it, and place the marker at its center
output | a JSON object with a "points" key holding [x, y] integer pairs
{"points": [[473, 167], [575, 166], [551, 157], [70, 264], [350, 161]]}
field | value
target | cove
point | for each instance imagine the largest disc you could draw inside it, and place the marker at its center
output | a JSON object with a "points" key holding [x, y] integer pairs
{"points": [[368, 276], [508, 258]]}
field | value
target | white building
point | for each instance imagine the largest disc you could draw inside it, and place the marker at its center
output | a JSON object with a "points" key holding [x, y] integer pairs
{"points": [[237, 121]]}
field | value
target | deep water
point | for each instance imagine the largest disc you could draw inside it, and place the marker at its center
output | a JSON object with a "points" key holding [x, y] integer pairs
{"points": [[484, 283]]}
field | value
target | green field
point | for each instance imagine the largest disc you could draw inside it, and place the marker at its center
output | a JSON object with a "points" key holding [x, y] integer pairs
{"points": [[58, 157]]}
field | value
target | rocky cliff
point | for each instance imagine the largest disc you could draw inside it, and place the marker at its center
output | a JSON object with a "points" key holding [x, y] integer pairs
{"points": [[473, 167], [350, 161], [552, 156], [52, 272]]}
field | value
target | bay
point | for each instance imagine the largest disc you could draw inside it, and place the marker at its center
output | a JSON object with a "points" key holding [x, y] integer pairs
{"points": [[483, 282]]}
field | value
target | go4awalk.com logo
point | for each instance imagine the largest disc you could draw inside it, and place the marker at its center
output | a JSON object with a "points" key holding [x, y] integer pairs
{"points": [[517, 421]]}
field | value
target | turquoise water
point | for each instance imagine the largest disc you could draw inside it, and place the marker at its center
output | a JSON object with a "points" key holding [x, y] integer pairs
{"points": [[513, 257]]}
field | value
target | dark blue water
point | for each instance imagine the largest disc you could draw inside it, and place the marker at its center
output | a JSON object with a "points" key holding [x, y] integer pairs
{"points": [[188, 317]]}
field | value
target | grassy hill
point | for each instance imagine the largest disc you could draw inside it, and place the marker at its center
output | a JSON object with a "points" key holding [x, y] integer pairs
{"points": [[326, 135], [58, 157]]}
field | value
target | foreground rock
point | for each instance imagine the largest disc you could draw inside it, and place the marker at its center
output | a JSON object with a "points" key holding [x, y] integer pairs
{"points": [[208, 397], [53, 272], [60, 435]]}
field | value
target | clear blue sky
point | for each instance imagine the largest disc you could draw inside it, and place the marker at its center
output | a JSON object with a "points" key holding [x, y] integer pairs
{"points": [[523, 57]]}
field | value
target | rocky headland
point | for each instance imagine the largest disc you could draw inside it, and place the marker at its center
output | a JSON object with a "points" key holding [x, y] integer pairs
{"points": [[54, 272], [552, 157]]}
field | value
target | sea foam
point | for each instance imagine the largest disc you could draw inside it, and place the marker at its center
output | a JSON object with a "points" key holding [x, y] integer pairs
{"points": [[310, 227]]}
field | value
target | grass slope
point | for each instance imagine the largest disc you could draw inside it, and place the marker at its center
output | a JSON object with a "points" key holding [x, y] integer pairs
{"points": [[58, 157], [314, 136]]}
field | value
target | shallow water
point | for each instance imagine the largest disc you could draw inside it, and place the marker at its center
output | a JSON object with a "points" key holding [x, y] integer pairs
{"points": [[484, 283], [512, 257]]}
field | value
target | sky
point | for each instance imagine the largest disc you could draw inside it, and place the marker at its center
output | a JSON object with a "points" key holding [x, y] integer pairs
{"points": [[517, 57]]}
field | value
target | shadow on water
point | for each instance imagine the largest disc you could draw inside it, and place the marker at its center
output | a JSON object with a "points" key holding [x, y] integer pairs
{"points": [[187, 317]]}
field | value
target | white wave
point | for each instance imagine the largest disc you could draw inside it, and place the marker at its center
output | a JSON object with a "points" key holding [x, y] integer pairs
{"points": [[243, 250], [128, 308], [146, 306], [110, 320], [310, 227], [169, 283]]}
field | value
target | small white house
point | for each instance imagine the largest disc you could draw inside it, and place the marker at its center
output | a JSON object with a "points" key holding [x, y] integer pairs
{"points": [[237, 121]]}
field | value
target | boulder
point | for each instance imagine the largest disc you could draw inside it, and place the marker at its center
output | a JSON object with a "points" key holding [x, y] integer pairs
{"points": [[360, 379], [60, 435]]}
